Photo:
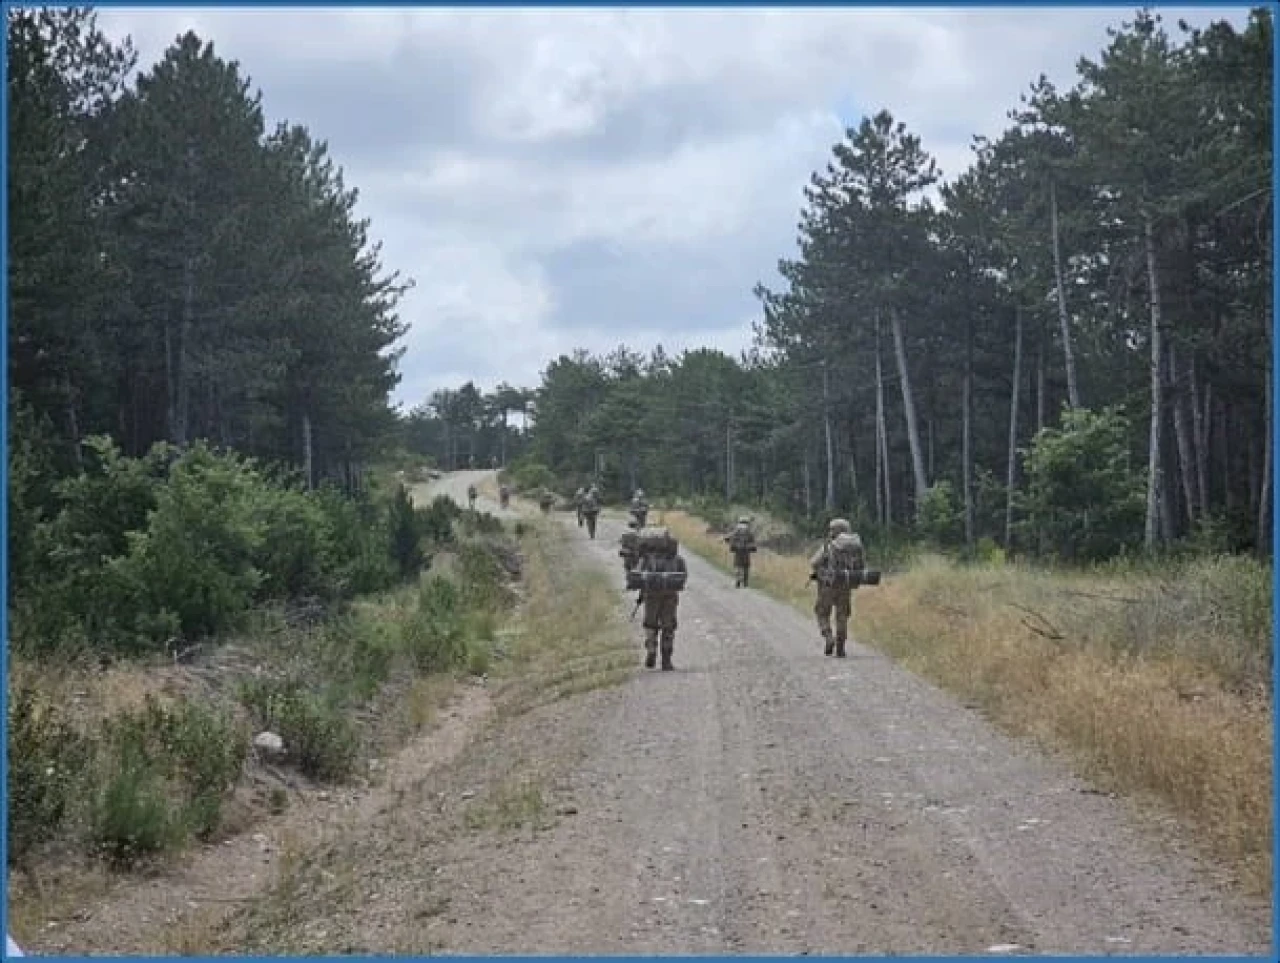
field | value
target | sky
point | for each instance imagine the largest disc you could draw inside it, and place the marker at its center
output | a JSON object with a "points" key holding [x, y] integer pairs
{"points": [[554, 179]]}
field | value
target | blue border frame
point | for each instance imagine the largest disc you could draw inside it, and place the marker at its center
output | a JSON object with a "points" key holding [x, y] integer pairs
{"points": [[914, 4]]}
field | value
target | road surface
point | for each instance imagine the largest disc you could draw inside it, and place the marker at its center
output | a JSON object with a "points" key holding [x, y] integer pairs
{"points": [[765, 799]]}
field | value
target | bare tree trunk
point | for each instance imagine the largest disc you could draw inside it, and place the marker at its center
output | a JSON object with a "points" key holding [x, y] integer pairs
{"points": [[1154, 467], [966, 442], [1073, 387], [1264, 500], [307, 450], [830, 500], [1011, 473], [73, 426], [808, 497], [1182, 436], [908, 403], [882, 438], [183, 406], [1224, 441], [728, 462], [1200, 436], [1040, 388]]}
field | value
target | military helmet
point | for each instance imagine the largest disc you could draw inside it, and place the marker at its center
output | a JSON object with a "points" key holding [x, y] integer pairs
{"points": [[744, 520], [838, 526], [633, 522]]}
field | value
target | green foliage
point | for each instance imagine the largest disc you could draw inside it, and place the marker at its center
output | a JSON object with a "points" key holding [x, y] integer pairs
{"points": [[530, 476], [317, 734], [434, 634], [406, 534], [940, 516], [46, 763], [1083, 498]]}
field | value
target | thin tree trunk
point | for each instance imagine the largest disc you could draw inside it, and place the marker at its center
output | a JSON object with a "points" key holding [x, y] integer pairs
{"points": [[306, 450], [184, 352], [73, 427], [1040, 388], [830, 500], [808, 497], [1182, 436], [1154, 450], [1264, 500], [1064, 321], [1199, 435], [882, 438], [1011, 472], [1224, 440], [966, 442], [908, 403]]}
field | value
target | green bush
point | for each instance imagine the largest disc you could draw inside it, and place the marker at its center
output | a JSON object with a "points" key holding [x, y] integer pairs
{"points": [[132, 816], [434, 633], [46, 760], [318, 736], [940, 517], [296, 555]]}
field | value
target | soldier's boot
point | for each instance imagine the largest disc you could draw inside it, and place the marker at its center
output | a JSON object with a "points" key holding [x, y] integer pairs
{"points": [[668, 646], [840, 653], [830, 644]]}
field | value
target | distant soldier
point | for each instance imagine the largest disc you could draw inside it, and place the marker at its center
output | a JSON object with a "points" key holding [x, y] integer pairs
{"points": [[639, 507], [504, 495], [837, 567], [742, 542], [590, 509], [660, 576], [471, 497], [578, 498], [546, 500], [630, 542]]}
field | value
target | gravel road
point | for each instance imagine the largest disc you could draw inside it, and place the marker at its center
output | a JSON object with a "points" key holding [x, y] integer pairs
{"points": [[765, 799]]}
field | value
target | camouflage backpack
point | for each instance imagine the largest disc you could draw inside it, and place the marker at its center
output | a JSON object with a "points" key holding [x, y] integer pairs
{"points": [[846, 560], [741, 539], [590, 504]]}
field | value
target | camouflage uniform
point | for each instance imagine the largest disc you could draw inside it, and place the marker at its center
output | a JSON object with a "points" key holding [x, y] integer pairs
{"points": [[545, 501], [834, 596], [660, 607], [742, 542], [471, 496], [504, 495], [590, 510], [578, 498], [630, 552], [639, 507]]}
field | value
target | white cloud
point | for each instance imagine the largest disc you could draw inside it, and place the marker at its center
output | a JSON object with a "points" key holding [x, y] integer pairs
{"points": [[561, 178]]}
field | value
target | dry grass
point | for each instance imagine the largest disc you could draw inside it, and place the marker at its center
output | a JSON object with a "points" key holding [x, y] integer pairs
{"points": [[1155, 685], [568, 637]]}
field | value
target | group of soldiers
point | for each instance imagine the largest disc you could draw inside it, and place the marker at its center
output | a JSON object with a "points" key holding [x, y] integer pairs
{"points": [[653, 565]]}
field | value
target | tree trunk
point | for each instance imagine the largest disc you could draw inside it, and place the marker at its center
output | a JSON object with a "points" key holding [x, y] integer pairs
{"points": [[1011, 472], [1040, 392], [966, 441], [1182, 436], [1200, 436], [830, 499], [908, 403], [808, 496], [882, 439], [1154, 467], [183, 406], [1264, 501], [1224, 455], [307, 462], [1064, 321]]}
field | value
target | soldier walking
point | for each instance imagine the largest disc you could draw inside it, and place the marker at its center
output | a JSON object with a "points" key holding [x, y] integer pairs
{"points": [[471, 497], [590, 509], [639, 507], [742, 542], [837, 567], [660, 576], [630, 545], [578, 498]]}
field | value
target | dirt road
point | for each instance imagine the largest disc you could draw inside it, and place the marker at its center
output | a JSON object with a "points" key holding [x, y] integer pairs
{"points": [[765, 799], [759, 799]]}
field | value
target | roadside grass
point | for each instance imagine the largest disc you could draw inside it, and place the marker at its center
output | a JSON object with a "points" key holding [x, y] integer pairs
{"points": [[1155, 681], [118, 769]]}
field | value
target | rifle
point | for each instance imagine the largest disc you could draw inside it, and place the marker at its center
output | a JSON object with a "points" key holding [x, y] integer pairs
{"points": [[639, 602]]}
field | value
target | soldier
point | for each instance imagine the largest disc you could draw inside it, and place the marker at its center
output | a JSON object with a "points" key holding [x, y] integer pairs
{"points": [[837, 567], [590, 509], [742, 542], [578, 497], [661, 577], [471, 496], [639, 507], [546, 500], [504, 495], [630, 541]]}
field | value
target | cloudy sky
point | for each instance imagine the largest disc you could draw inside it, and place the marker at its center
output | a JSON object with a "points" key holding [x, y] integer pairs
{"points": [[561, 178]]}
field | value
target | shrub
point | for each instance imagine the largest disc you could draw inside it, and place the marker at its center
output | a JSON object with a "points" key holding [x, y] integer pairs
{"points": [[317, 735]]}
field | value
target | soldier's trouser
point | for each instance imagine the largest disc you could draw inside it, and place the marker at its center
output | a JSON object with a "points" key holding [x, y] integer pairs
{"points": [[579, 517], [742, 566], [660, 621], [839, 599], [591, 525]]}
